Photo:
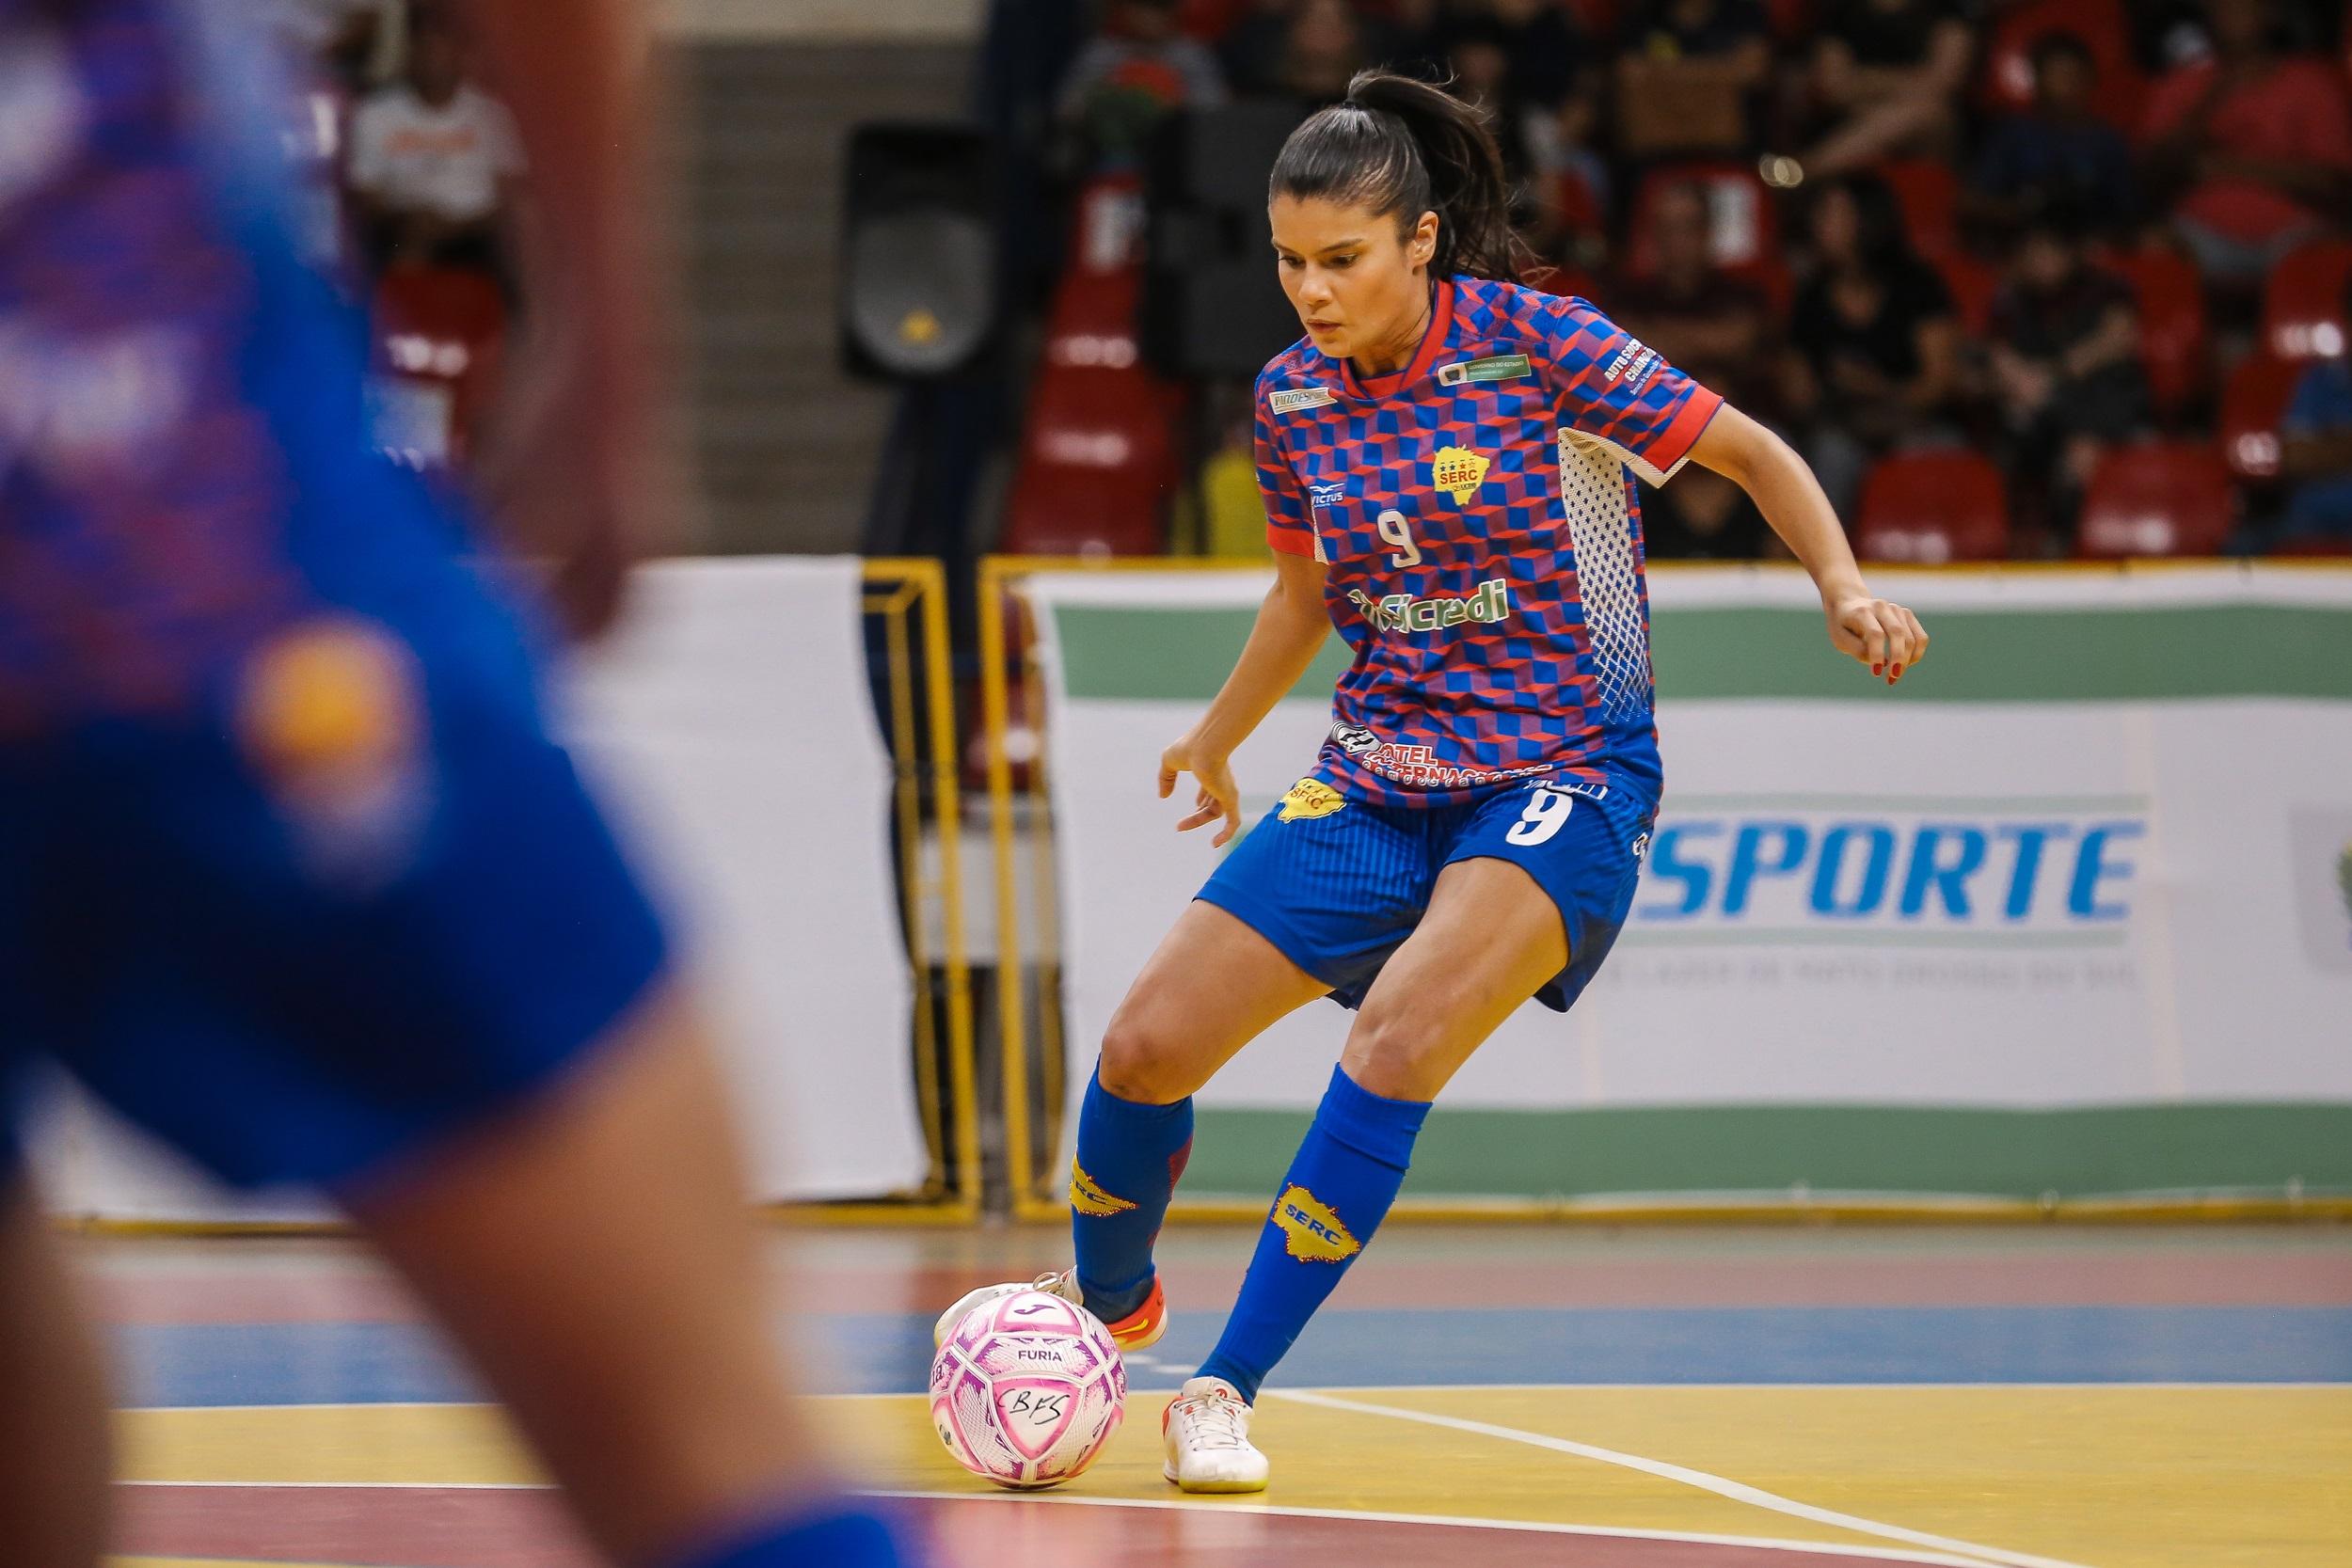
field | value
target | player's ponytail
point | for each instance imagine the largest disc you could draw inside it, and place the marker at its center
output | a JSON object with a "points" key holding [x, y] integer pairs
{"points": [[1402, 147]]}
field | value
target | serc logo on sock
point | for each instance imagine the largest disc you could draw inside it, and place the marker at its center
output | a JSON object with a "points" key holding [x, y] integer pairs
{"points": [[1088, 1196], [1312, 1233]]}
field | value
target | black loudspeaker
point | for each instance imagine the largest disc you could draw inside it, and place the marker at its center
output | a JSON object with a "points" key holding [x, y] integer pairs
{"points": [[918, 297], [1213, 304]]}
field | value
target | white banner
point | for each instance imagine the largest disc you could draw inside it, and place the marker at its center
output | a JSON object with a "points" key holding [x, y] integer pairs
{"points": [[2097, 852], [730, 728]]}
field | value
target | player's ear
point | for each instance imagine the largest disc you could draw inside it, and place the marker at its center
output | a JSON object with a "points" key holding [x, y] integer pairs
{"points": [[1423, 247]]}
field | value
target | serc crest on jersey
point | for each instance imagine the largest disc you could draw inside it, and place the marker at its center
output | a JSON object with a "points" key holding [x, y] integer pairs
{"points": [[1459, 471], [1311, 797]]}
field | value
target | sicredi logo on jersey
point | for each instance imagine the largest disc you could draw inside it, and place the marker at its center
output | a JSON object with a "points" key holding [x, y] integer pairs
{"points": [[1403, 612]]}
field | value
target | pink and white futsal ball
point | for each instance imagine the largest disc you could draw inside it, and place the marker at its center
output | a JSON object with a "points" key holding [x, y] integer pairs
{"points": [[1027, 1390]]}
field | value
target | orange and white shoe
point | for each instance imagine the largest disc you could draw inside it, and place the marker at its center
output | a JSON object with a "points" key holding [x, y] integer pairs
{"points": [[1138, 1330], [1204, 1436]]}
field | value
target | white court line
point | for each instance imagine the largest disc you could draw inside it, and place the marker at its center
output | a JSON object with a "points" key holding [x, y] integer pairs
{"points": [[1736, 1491], [1695, 1538], [1692, 1537]]}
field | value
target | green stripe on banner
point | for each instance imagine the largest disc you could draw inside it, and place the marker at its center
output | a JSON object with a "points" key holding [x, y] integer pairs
{"points": [[1145, 652], [1852, 1149]]}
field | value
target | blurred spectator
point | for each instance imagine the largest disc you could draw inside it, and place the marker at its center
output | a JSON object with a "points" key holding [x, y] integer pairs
{"points": [[1887, 75], [2059, 155], [1689, 73], [337, 37], [1715, 326], [2065, 365], [1878, 342], [2257, 143], [1302, 49], [1479, 63], [434, 161], [2315, 448], [1126, 77]]}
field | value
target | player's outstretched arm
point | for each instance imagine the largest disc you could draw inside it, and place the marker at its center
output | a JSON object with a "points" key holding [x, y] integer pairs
{"points": [[1872, 631], [1291, 626]]}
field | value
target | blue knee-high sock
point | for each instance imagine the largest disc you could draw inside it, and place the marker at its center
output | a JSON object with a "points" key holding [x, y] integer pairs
{"points": [[1129, 1157], [1337, 1191], [837, 1537]]}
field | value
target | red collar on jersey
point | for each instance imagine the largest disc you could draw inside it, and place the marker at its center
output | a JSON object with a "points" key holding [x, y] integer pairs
{"points": [[1431, 344]]}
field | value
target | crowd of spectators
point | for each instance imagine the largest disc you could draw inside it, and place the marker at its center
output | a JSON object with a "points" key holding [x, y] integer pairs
{"points": [[1853, 220]]}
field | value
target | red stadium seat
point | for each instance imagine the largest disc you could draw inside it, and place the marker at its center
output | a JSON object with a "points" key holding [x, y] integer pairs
{"points": [[438, 336], [1745, 224], [2303, 302], [2172, 339], [1928, 192], [2251, 406], [1973, 285], [2159, 498], [1931, 507], [1792, 20], [2006, 85]]}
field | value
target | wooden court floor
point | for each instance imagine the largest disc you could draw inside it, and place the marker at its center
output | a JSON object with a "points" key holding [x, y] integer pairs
{"points": [[1492, 1395]]}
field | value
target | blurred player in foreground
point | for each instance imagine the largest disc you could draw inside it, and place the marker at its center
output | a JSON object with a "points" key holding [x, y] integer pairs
{"points": [[290, 872], [1448, 460]]}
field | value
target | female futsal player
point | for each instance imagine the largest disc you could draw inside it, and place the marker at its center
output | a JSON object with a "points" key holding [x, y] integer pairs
{"points": [[1445, 461]]}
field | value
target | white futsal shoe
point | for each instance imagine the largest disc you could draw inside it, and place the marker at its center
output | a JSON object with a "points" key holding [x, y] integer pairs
{"points": [[1205, 1434], [1063, 1285]]}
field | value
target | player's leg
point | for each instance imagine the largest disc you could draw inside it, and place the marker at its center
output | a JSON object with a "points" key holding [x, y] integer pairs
{"points": [[1212, 986], [593, 1256], [1490, 938], [52, 1398], [1509, 916]]}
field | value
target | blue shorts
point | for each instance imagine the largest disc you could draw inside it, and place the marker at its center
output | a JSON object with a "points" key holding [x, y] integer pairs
{"points": [[1339, 888], [294, 990]]}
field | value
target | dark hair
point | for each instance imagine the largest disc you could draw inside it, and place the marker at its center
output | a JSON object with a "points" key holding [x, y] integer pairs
{"points": [[1880, 238], [1402, 147]]}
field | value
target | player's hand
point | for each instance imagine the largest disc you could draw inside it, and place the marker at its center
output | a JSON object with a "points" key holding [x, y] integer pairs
{"points": [[1217, 798], [1877, 632]]}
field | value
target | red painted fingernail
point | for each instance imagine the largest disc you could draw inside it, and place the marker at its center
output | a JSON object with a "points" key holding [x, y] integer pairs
{"points": [[1899, 672], [1877, 668]]}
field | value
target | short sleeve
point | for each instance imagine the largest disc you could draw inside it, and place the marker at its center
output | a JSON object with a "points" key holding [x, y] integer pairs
{"points": [[1612, 387], [1290, 526]]}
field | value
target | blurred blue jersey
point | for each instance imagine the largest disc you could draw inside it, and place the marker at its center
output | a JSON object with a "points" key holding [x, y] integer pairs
{"points": [[290, 871]]}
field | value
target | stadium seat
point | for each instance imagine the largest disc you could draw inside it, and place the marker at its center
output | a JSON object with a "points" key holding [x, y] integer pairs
{"points": [[1973, 285], [2251, 406], [1745, 224], [1931, 507], [2006, 85], [2173, 336], [437, 337], [1928, 192], [2158, 497], [2303, 302], [1792, 20], [1099, 457]]}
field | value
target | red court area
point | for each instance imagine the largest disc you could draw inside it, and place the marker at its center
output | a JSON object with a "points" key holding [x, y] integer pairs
{"points": [[499, 1529]]}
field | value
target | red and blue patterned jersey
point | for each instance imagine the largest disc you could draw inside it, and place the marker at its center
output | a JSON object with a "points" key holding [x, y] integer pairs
{"points": [[1483, 535]]}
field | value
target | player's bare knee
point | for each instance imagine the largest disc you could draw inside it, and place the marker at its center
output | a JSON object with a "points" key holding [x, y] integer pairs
{"points": [[1396, 1050], [1143, 1061]]}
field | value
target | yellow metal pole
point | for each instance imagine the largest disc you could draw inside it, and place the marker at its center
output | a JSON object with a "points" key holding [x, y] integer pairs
{"points": [[997, 573], [947, 809]]}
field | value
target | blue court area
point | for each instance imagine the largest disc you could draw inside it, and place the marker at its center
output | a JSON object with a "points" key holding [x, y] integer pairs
{"points": [[375, 1363]]}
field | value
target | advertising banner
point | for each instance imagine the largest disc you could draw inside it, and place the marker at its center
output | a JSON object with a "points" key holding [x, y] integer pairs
{"points": [[729, 729], [2069, 912]]}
